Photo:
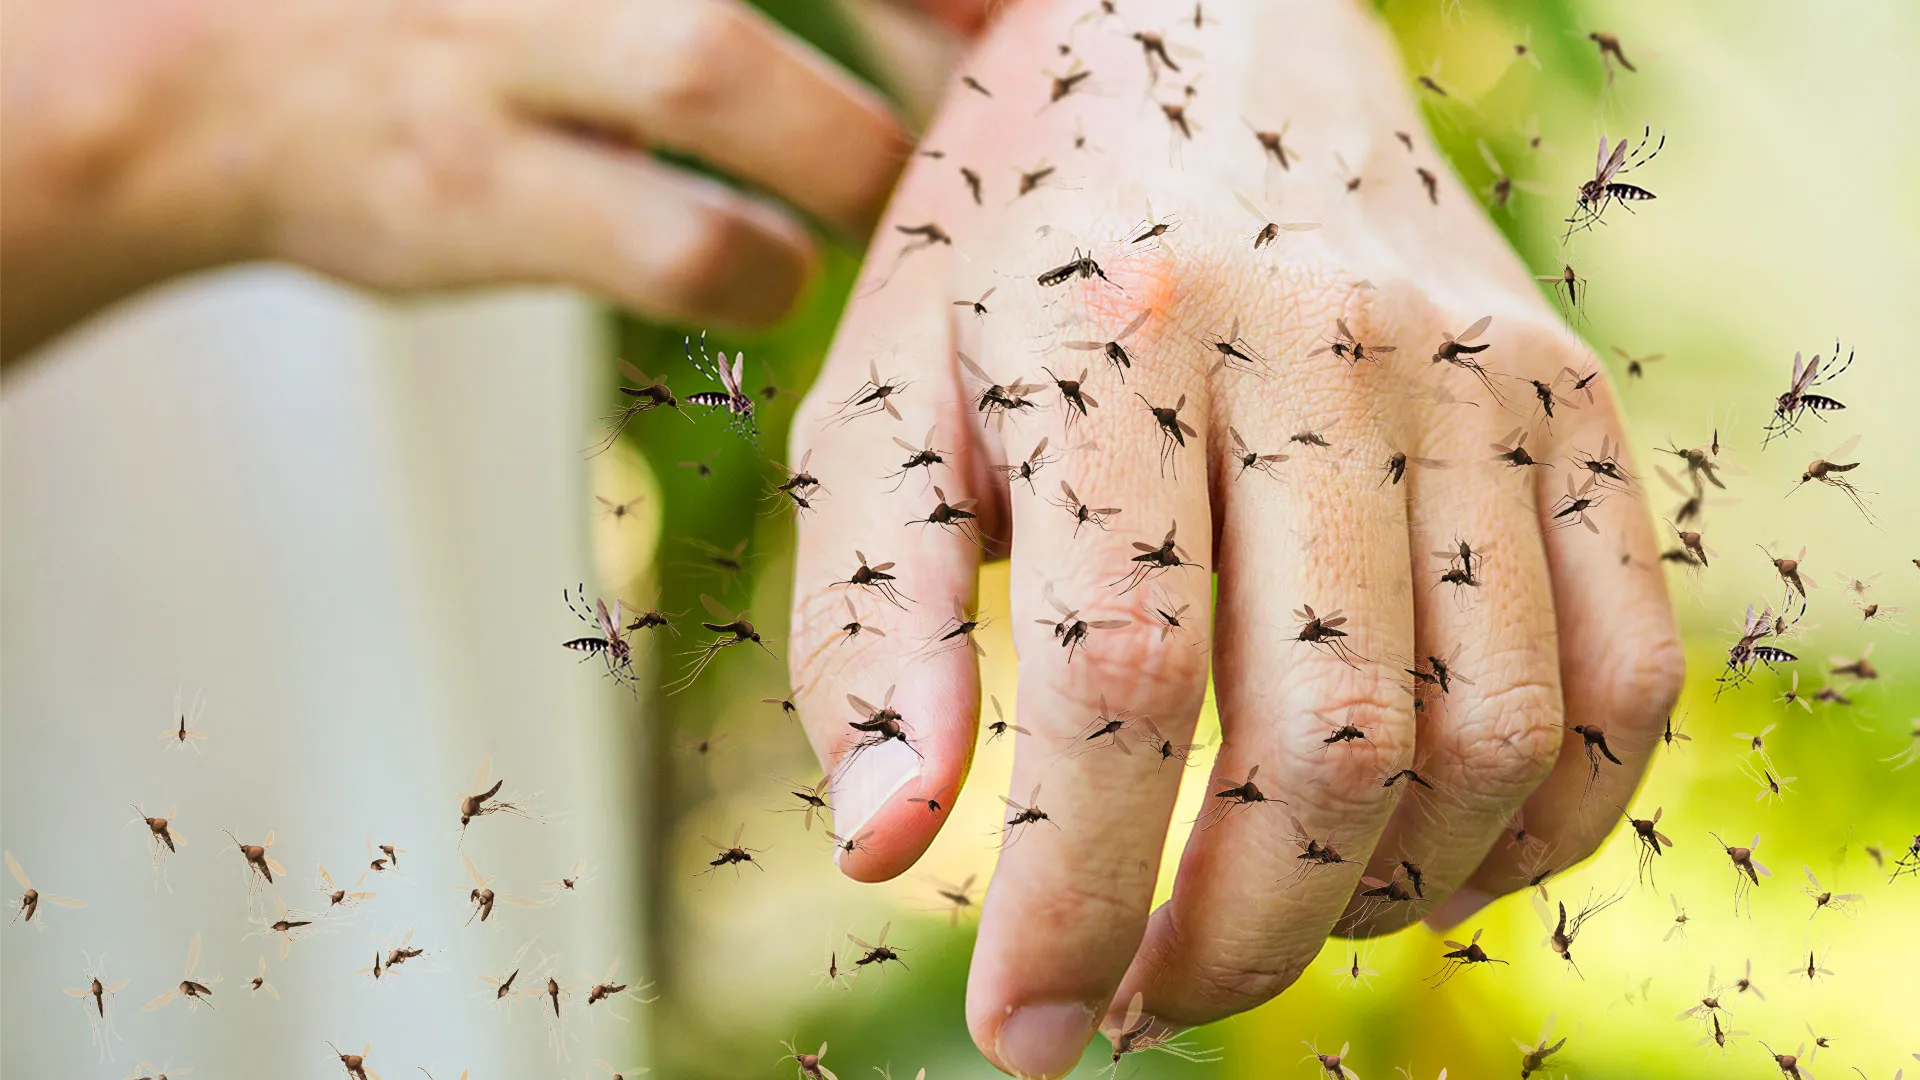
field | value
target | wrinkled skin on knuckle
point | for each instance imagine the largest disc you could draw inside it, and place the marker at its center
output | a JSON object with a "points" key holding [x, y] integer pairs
{"points": [[1509, 741]]}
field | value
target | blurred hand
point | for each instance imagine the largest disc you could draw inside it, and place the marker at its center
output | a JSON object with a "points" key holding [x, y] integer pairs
{"points": [[1566, 627], [427, 145]]}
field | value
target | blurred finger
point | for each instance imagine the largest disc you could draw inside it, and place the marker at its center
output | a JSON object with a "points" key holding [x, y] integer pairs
{"points": [[719, 81], [1106, 696]]}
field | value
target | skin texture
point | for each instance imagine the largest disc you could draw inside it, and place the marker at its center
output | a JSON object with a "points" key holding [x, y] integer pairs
{"points": [[1568, 627], [424, 146]]}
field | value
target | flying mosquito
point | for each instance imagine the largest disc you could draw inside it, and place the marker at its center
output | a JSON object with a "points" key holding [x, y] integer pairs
{"points": [[1025, 470], [1137, 1034], [1394, 469], [1562, 934], [1323, 631], [876, 578], [1096, 516], [979, 307], [1331, 1065], [1248, 458], [337, 896], [483, 897], [1115, 352], [1461, 353], [1001, 726], [196, 993], [1647, 830], [1796, 580], [185, 730], [99, 1003], [1460, 956], [165, 837], [1746, 871], [1605, 189], [1533, 1058], [1800, 400], [484, 799], [645, 395], [733, 629], [1070, 630], [1349, 348], [1825, 899], [1569, 291], [288, 925], [736, 401], [1273, 145], [1636, 365], [610, 643], [1154, 560], [1174, 432], [731, 854], [877, 726], [356, 1064], [1750, 647], [1501, 190], [957, 898], [1830, 471], [810, 1067]]}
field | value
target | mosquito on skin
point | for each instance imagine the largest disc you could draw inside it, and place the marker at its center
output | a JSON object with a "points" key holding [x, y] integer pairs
{"points": [[1025, 470], [1106, 729], [979, 307], [1573, 506], [1273, 144], [1270, 224], [1235, 795], [957, 517], [1096, 516], [1074, 398], [1116, 353], [1070, 630], [874, 396], [1349, 348], [1513, 450], [1323, 632], [1168, 616], [1154, 560], [878, 724], [1081, 266], [1022, 818], [994, 400], [1314, 852]]}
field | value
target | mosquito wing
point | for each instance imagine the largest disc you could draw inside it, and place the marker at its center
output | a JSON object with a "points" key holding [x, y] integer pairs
{"points": [[19, 875], [1475, 330]]}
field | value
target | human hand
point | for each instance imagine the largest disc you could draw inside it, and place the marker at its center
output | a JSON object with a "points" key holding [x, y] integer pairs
{"points": [[417, 146], [1565, 628]]}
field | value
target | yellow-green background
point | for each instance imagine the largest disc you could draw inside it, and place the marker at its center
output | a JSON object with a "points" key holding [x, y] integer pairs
{"points": [[1786, 216]]}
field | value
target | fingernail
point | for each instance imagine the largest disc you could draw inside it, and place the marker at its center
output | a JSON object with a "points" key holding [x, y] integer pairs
{"points": [[875, 775], [1457, 908], [1044, 1040]]}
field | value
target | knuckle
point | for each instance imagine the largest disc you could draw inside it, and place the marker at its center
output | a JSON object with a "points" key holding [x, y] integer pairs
{"points": [[1645, 680], [1232, 981], [691, 60], [1347, 774], [1510, 742]]}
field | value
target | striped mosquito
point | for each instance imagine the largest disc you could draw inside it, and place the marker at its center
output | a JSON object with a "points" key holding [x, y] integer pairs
{"points": [[1800, 400], [736, 401], [1750, 647], [610, 644], [1605, 189], [1116, 353]]}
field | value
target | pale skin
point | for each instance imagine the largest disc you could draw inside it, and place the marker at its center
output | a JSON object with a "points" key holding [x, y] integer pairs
{"points": [[437, 145], [1568, 628]]}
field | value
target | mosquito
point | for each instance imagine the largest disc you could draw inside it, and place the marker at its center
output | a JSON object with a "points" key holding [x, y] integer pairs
{"points": [[1323, 631], [609, 988], [261, 867], [1073, 395], [1233, 348], [1856, 668], [958, 631], [1270, 225], [1330, 1064], [1154, 46], [1106, 729], [1081, 266], [1747, 873], [483, 897], [813, 800], [1096, 516], [878, 953], [1504, 185], [1025, 470], [165, 837], [874, 396], [737, 402], [1719, 1036], [288, 925], [994, 400], [933, 803], [1000, 726], [1154, 560], [1605, 465], [1795, 579], [1908, 863], [1827, 900], [1137, 1035], [1067, 83], [876, 578], [99, 998], [1800, 400], [1314, 852], [1788, 1064], [1174, 432], [1651, 840], [921, 457], [732, 628], [484, 799], [1574, 287], [1513, 450], [185, 730], [1459, 352], [610, 643], [1431, 181], [810, 1067], [1236, 796], [1604, 189], [646, 395], [1460, 956], [337, 896], [1167, 616], [979, 306], [1563, 933], [1750, 648], [972, 180], [880, 724], [1349, 348], [1273, 144], [1032, 179], [957, 898], [1116, 353], [957, 517], [1023, 817], [1678, 928], [1610, 53], [196, 993], [731, 854], [1828, 470], [1573, 506], [1460, 573], [799, 481]]}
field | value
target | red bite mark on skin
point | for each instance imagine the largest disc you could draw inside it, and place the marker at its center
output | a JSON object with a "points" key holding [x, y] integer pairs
{"points": [[1149, 284]]}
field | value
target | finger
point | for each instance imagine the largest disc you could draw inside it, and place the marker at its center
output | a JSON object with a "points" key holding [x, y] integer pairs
{"points": [[719, 81], [1489, 728], [1621, 666], [1247, 913], [540, 207], [1070, 894], [905, 332]]}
